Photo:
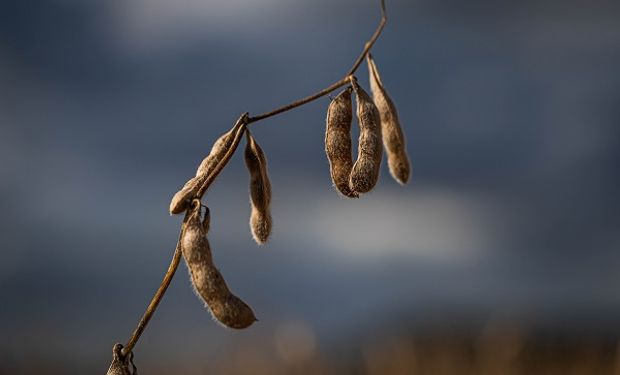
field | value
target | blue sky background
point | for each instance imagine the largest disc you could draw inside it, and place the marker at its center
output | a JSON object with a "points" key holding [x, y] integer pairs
{"points": [[512, 113]]}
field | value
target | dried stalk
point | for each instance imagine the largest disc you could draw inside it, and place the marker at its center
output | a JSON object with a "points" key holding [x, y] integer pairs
{"points": [[241, 124], [150, 310], [335, 85]]}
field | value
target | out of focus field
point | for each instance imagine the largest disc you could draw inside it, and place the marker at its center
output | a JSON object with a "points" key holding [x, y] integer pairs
{"points": [[500, 257], [495, 351]]}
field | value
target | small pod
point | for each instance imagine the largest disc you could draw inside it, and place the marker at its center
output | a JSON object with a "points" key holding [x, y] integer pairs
{"points": [[365, 172], [338, 142], [180, 201], [207, 280], [120, 364], [393, 137], [218, 151], [260, 190]]}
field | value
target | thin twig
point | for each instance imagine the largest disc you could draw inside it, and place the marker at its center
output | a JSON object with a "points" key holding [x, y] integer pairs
{"points": [[335, 85], [300, 102], [372, 40], [150, 310], [241, 125]]}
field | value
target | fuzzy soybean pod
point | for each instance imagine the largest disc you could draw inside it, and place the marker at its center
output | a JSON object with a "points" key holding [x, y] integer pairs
{"points": [[218, 151], [207, 280], [180, 201], [120, 364], [338, 142], [260, 190], [393, 137], [365, 172]]}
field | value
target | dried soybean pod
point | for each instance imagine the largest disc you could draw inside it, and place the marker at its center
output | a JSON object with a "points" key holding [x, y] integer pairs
{"points": [[393, 137], [260, 190], [338, 142], [365, 172], [221, 145], [195, 234], [218, 150], [120, 363], [179, 202], [206, 221], [207, 280]]}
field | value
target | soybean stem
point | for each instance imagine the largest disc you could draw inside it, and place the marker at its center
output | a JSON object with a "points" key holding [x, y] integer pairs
{"points": [[150, 310], [240, 126], [335, 85]]}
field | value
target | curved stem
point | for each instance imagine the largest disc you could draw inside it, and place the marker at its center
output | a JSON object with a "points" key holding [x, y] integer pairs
{"points": [[241, 125], [335, 85], [371, 41], [150, 310], [300, 102]]}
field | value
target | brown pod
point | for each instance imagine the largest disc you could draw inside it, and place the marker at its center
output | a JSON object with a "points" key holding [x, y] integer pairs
{"points": [[260, 190], [120, 364], [217, 152], [180, 200], [393, 137], [207, 280], [338, 142], [365, 172]]}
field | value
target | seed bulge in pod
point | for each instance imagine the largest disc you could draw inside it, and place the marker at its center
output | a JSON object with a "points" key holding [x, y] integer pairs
{"points": [[180, 200], [365, 172], [393, 137], [219, 149], [338, 142]]}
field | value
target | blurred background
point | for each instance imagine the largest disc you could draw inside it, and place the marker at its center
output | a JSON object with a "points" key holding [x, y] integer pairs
{"points": [[500, 256]]}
